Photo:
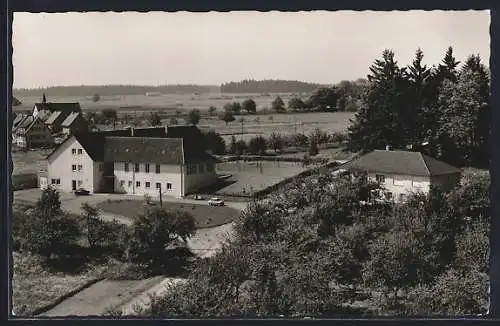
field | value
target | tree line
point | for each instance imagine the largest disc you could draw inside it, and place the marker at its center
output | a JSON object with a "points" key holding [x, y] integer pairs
{"points": [[325, 246], [268, 86], [443, 110]]}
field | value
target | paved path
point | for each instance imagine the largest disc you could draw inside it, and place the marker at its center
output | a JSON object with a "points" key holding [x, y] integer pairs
{"points": [[94, 300]]}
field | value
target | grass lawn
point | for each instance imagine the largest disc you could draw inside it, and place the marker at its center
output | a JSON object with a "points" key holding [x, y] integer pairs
{"points": [[34, 287], [205, 216]]}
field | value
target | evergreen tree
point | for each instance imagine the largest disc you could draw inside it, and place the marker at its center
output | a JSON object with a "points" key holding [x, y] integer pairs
{"points": [[378, 122], [464, 123], [417, 118]]}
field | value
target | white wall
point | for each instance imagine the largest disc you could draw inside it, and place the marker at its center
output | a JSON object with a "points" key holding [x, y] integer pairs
{"points": [[60, 167], [402, 184], [168, 174]]}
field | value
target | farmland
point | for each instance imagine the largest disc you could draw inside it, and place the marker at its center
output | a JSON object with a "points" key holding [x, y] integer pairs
{"points": [[154, 103], [29, 161]]}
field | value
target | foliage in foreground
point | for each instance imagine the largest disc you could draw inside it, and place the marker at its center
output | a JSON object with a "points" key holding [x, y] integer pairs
{"points": [[316, 250]]}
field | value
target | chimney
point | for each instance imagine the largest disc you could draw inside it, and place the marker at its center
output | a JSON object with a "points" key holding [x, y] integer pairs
{"points": [[387, 147]]}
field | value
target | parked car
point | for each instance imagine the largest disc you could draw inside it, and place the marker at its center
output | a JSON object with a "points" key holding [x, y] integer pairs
{"points": [[215, 202], [82, 192], [198, 197]]}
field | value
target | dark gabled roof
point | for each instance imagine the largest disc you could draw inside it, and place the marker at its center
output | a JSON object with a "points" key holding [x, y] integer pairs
{"points": [[53, 117], [65, 107], [70, 119], [400, 162], [146, 146], [144, 150]]}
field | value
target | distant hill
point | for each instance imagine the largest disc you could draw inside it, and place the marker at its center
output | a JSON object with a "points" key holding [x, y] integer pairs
{"points": [[269, 86], [114, 90]]}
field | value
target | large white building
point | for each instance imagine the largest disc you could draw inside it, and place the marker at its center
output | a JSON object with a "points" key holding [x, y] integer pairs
{"points": [[134, 161], [404, 172]]}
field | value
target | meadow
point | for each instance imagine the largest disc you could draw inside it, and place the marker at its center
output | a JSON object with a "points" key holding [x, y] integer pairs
{"points": [[167, 101]]}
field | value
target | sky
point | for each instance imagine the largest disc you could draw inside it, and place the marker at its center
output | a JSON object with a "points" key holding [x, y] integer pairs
{"points": [[156, 48]]}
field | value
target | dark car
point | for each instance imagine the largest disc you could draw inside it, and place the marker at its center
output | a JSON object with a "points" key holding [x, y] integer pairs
{"points": [[82, 192]]}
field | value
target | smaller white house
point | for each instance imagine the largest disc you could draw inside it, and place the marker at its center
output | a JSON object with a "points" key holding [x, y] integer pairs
{"points": [[404, 172]]}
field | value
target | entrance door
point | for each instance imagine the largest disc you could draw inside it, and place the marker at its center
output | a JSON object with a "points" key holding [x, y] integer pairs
{"points": [[73, 184]]}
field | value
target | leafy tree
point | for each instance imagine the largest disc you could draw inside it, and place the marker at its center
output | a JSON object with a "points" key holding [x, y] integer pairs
{"points": [[211, 110], [49, 203], [270, 118], [257, 145], [95, 234], [323, 99], [232, 146], [318, 136], [173, 121], [16, 102], [249, 105], [378, 122], [278, 105], [473, 248], [96, 98], [155, 119], [313, 148], [257, 222], [296, 104], [240, 147], [275, 142], [194, 117], [156, 230], [227, 117], [109, 114], [214, 142], [300, 140], [234, 108]]}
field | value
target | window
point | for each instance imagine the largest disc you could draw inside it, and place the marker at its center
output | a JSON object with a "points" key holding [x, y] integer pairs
{"points": [[146, 167], [157, 168], [126, 167], [169, 186], [53, 181], [73, 151], [148, 184], [136, 167], [202, 168], [101, 167], [80, 151], [380, 178], [80, 168], [73, 167], [130, 184], [158, 185], [137, 184], [122, 183], [58, 181]]}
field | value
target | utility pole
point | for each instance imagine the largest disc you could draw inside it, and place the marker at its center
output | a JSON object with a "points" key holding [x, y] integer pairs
{"points": [[161, 200]]}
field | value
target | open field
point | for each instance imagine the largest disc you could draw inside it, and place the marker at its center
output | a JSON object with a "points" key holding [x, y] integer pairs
{"points": [[154, 103], [205, 216], [30, 161], [247, 177], [34, 287]]}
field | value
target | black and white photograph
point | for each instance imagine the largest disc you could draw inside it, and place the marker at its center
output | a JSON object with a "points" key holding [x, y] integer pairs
{"points": [[311, 164]]}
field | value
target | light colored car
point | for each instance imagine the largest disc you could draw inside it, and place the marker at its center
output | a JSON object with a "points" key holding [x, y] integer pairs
{"points": [[215, 202]]}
